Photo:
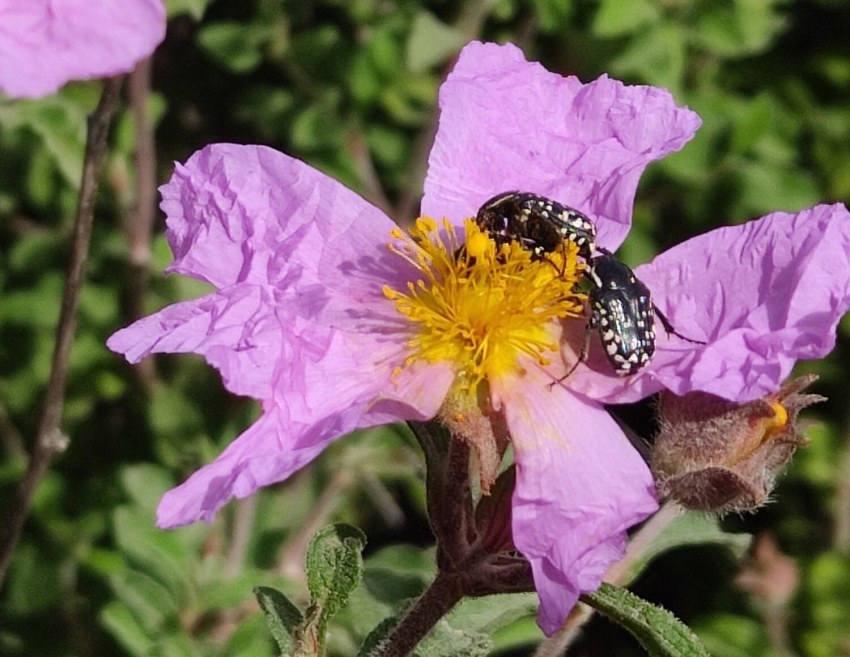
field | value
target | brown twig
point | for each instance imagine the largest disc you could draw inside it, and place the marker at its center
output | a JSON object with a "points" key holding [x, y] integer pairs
{"points": [[841, 527], [50, 440], [372, 190], [293, 555], [139, 224], [245, 512]]}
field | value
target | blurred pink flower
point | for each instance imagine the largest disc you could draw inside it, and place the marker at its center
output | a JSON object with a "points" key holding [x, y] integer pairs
{"points": [[46, 43], [300, 320]]}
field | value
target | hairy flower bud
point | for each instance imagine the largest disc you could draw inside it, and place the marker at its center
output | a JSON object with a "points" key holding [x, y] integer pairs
{"points": [[715, 455]]}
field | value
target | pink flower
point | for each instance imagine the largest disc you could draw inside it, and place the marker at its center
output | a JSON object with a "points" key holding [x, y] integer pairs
{"points": [[46, 43], [314, 316]]}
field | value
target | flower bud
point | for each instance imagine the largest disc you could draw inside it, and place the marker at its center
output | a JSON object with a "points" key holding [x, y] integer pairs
{"points": [[715, 455]]}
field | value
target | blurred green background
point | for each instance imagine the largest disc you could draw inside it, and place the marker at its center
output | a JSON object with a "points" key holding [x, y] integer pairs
{"points": [[350, 87]]}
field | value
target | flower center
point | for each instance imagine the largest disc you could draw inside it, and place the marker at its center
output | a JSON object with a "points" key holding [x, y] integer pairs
{"points": [[479, 305]]}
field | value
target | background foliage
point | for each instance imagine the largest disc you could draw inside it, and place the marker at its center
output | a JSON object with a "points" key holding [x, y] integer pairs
{"points": [[349, 86]]}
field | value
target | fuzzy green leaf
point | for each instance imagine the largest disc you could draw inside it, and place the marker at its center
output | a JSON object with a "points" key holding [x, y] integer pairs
{"points": [[689, 529], [656, 629], [282, 616], [334, 565], [334, 569]]}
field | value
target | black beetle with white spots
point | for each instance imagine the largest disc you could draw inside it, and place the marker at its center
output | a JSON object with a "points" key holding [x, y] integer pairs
{"points": [[621, 308]]}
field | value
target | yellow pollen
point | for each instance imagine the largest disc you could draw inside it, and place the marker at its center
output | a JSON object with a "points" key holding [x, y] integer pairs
{"points": [[780, 417], [480, 306]]}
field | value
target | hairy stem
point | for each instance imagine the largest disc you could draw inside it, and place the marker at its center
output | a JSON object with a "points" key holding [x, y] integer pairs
{"points": [[49, 440], [438, 599]]}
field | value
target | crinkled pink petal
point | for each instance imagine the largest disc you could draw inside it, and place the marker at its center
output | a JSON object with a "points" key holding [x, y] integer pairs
{"points": [[763, 295], [326, 384], [506, 123], [297, 255], [580, 486], [300, 320], [252, 214], [46, 43], [237, 330], [286, 438]]}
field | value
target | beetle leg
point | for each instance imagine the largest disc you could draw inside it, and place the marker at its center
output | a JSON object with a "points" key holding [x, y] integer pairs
{"points": [[672, 331]]}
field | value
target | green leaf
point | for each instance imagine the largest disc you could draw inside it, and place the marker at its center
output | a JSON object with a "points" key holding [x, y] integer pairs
{"points": [[490, 613], [521, 634], [825, 587], [151, 604], [318, 126], [145, 483], [249, 639], [376, 636], [35, 582], [738, 636], [656, 55], [282, 616], [159, 553], [443, 640], [744, 27], [123, 626], [766, 185], [431, 42], [689, 529], [391, 576], [235, 46], [656, 629], [553, 15], [195, 8], [334, 566], [334, 569], [620, 17], [447, 641], [60, 122]]}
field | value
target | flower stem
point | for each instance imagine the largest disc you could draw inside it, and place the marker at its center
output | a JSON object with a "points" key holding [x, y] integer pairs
{"points": [[438, 599], [50, 440]]}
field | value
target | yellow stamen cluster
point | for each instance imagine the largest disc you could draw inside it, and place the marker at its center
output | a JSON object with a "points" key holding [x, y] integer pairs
{"points": [[480, 306]]}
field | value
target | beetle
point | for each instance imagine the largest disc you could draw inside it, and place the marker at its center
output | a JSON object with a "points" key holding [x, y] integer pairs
{"points": [[539, 224], [622, 313], [621, 308]]}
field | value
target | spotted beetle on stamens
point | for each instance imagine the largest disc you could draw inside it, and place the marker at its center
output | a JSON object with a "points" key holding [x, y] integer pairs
{"points": [[539, 224], [621, 308]]}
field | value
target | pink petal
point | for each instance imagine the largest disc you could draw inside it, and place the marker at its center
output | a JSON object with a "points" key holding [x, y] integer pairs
{"points": [[508, 124], [580, 485], [46, 43], [300, 320], [290, 435], [267, 347], [237, 330], [293, 269], [763, 295], [252, 214]]}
